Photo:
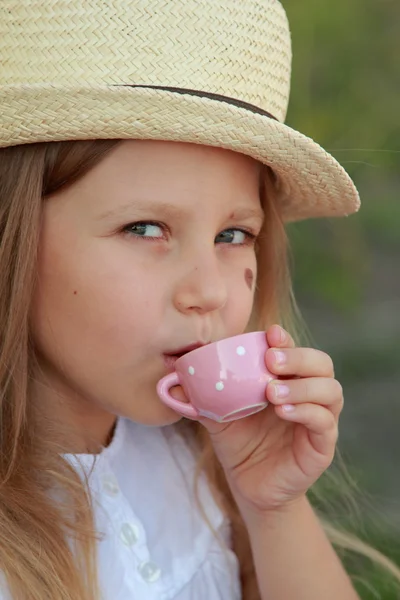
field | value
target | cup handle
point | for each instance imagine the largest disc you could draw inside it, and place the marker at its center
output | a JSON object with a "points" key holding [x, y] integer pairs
{"points": [[163, 387]]}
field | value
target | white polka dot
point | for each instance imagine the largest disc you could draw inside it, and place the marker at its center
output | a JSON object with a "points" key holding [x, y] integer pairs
{"points": [[191, 370], [240, 350], [219, 386]]}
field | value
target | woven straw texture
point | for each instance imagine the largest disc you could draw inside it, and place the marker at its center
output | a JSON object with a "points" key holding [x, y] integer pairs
{"points": [[70, 69]]}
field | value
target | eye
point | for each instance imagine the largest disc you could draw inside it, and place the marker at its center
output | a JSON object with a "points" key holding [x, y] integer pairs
{"points": [[145, 229], [239, 237]]}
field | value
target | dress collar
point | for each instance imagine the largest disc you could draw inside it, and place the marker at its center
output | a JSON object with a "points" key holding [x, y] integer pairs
{"points": [[86, 460]]}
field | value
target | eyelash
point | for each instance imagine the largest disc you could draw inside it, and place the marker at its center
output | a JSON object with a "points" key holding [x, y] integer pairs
{"points": [[250, 236]]}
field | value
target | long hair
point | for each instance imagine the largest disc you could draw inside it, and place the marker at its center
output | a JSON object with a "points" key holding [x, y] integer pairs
{"points": [[43, 500]]}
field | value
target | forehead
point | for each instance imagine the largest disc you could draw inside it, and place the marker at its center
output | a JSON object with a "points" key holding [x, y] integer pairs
{"points": [[181, 162], [176, 175]]}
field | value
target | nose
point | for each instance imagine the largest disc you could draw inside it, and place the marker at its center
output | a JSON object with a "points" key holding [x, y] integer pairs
{"points": [[202, 288]]}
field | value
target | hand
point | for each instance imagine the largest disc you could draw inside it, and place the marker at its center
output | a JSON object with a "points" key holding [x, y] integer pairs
{"points": [[271, 458]]}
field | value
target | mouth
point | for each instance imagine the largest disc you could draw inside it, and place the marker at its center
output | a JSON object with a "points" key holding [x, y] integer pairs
{"points": [[181, 351], [170, 358]]}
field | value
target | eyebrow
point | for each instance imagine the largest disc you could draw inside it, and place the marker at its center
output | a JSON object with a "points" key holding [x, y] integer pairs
{"points": [[174, 212], [139, 206]]}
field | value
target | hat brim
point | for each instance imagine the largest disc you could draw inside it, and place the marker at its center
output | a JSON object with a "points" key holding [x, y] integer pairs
{"points": [[311, 183]]}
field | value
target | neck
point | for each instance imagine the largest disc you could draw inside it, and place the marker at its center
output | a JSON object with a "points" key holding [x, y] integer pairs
{"points": [[80, 427]]}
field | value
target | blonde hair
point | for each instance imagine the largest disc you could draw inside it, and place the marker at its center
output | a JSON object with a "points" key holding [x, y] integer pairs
{"points": [[42, 498]]}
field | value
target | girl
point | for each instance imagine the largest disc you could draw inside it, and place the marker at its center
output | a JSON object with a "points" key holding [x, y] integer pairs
{"points": [[145, 179]]}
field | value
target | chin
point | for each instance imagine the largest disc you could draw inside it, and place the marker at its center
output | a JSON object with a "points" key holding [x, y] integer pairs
{"points": [[153, 414], [164, 422], [161, 420]]}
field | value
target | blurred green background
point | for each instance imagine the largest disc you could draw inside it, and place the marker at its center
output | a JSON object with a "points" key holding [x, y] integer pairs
{"points": [[346, 96]]}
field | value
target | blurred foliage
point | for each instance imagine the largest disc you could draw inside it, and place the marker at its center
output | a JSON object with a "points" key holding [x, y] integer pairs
{"points": [[345, 95], [339, 497]]}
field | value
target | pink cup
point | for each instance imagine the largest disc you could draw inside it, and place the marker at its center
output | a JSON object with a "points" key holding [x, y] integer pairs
{"points": [[223, 381]]}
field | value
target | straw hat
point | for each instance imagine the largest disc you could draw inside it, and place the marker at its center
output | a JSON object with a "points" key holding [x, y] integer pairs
{"points": [[214, 72]]}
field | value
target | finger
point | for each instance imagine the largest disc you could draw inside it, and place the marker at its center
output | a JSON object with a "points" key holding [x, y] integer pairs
{"points": [[324, 391], [320, 422], [278, 337], [301, 362]]}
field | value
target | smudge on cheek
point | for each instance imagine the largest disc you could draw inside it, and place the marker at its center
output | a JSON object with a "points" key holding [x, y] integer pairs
{"points": [[249, 278]]}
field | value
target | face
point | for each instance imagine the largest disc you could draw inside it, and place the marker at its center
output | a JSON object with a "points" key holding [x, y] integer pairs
{"points": [[150, 252]]}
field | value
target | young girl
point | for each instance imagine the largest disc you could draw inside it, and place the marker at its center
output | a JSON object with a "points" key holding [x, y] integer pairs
{"points": [[145, 179]]}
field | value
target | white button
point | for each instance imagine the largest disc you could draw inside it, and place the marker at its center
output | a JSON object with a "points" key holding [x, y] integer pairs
{"points": [[110, 485], [149, 571], [129, 534]]}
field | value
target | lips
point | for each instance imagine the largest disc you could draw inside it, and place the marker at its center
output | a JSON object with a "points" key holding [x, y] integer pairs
{"points": [[170, 358], [181, 351]]}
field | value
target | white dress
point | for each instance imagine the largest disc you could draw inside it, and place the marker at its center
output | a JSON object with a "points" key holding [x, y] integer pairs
{"points": [[156, 543]]}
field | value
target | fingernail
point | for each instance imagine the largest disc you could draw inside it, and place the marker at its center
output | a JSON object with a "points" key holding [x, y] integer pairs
{"points": [[280, 357], [288, 408], [282, 334], [281, 390]]}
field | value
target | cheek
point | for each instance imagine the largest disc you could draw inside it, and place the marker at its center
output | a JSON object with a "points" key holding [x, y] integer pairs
{"points": [[249, 278], [90, 305], [241, 297]]}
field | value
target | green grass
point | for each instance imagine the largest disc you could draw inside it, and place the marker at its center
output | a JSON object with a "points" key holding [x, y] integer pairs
{"points": [[372, 582], [339, 497]]}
